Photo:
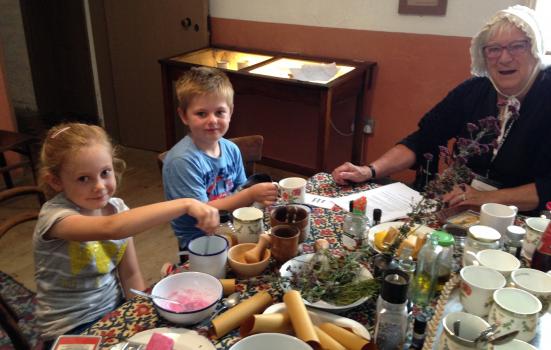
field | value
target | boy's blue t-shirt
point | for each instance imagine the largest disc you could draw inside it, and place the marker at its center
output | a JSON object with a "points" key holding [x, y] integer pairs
{"points": [[190, 173]]}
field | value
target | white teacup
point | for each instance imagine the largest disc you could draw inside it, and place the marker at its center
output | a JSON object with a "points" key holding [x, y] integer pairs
{"points": [[515, 309], [248, 223], [470, 327], [208, 254], [478, 284], [498, 216], [292, 189], [498, 260], [535, 282], [534, 230], [515, 344]]}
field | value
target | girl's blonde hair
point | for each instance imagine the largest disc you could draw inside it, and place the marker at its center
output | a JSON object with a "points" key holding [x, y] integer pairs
{"points": [[65, 139], [200, 81]]}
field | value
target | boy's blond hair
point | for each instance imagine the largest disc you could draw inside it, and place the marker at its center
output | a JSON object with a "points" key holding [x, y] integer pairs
{"points": [[65, 139], [201, 81]]}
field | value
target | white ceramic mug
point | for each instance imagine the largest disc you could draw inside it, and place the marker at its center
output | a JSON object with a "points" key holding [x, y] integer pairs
{"points": [[498, 260], [470, 327], [498, 216], [537, 283], [515, 309], [248, 223], [478, 284], [208, 254], [534, 230], [292, 189]]}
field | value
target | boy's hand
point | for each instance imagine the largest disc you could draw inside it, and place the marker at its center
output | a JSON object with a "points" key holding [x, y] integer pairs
{"points": [[207, 216], [265, 193]]}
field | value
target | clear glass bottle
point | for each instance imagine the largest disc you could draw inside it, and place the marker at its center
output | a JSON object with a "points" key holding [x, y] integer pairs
{"points": [[392, 314], [434, 266], [514, 237], [479, 237], [406, 263]]}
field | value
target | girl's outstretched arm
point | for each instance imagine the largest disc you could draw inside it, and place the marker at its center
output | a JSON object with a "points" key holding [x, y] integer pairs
{"points": [[133, 221], [129, 270]]}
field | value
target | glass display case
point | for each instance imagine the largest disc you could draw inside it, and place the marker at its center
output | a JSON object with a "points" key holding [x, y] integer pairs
{"points": [[310, 110], [221, 58]]}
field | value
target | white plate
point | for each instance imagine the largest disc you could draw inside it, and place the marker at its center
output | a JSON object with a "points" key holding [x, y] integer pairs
{"points": [[396, 224], [296, 264], [184, 339], [318, 317]]}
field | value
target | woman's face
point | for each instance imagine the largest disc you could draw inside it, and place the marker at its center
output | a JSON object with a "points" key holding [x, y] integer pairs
{"points": [[510, 70]]}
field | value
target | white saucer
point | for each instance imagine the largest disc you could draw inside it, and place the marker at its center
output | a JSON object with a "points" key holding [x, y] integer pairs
{"points": [[184, 339]]}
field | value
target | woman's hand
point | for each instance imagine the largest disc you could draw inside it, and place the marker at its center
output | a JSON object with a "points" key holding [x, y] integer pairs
{"points": [[465, 195], [350, 172]]}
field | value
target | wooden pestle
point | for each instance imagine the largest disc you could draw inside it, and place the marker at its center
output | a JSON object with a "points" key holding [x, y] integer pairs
{"points": [[255, 254]]}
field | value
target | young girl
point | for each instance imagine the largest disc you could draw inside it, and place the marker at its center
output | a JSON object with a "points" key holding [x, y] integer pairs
{"points": [[85, 259]]}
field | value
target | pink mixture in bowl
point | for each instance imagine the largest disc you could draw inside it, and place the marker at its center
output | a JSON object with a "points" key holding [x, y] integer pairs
{"points": [[189, 299]]}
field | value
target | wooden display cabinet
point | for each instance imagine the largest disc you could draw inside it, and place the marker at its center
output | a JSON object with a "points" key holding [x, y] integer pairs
{"points": [[308, 126]]}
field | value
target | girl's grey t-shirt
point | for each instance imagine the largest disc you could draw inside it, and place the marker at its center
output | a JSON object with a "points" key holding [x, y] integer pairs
{"points": [[76, 282]]}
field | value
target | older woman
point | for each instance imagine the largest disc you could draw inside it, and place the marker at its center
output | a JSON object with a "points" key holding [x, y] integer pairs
{"points": [[511, 82]]}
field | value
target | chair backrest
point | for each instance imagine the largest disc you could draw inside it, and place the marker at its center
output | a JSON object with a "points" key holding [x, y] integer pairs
{"points": [[250, 147], [251, 151], [26, 215]]}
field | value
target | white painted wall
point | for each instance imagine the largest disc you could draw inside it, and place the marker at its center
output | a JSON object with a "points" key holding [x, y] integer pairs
{"points": [[463, 17]]}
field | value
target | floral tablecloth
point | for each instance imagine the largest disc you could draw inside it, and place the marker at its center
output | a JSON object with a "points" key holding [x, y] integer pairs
{"points": [[138, 314]]}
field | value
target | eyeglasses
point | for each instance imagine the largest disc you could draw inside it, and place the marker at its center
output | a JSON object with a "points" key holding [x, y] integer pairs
{"points": [[514, 48]]}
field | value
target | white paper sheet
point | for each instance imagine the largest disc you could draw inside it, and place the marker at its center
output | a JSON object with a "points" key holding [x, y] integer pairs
{"points": [[315, 72], [319, 201], [395, 200]]}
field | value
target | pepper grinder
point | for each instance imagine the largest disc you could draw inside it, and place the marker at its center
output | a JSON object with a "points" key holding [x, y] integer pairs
{"points": [[392, 313]]}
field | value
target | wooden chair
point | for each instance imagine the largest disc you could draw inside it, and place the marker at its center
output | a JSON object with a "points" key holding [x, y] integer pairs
{"points": [[9, 322], [26, 215], [250, 147], [15, 142], [8, 317]]}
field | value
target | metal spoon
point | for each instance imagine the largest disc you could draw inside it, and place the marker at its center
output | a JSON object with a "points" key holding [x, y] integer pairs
{"points": [[486, 333], [151, 296], [227, 303], [505, 338]]}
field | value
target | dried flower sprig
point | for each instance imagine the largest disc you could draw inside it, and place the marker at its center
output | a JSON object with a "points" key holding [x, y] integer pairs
{"points": [[456, 171]]}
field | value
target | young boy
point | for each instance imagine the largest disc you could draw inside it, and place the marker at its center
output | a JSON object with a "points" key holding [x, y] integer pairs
{"points": [[204, 165]]}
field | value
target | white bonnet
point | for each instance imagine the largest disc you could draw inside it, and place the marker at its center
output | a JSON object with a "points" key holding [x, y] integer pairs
{"points": [[523, 18]]}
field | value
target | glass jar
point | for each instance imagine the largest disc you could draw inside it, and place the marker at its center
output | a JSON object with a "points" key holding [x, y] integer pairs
{"points": [[514, 237], [479, 237], [354, 229], [225, 228]]}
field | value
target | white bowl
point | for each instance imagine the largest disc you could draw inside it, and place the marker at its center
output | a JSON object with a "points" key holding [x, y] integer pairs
{"points": [[205, 285], [270, 341]]}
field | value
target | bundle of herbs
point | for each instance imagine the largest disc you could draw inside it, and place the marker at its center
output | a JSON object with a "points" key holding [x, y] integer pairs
{"points": [[334, 279]]}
